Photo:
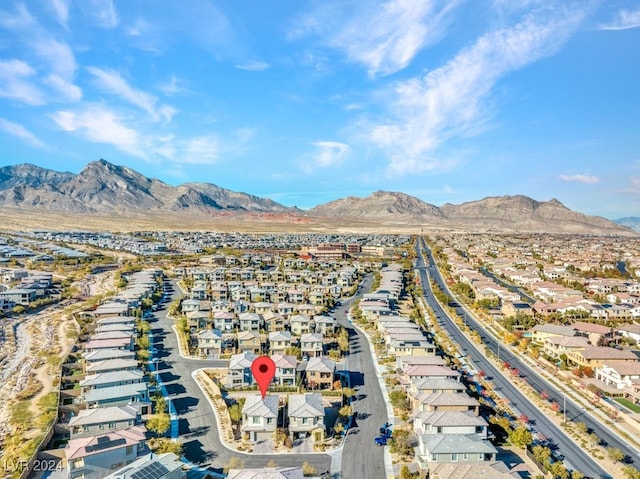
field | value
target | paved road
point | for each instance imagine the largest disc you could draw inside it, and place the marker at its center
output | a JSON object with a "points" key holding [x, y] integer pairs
{"points": [[197, 425], [361, 458], [574, 411], [509, 286], [573, 454]]}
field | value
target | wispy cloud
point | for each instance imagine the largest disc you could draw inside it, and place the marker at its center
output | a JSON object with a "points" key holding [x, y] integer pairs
{"points": [[382, 37], [22, 133], [61, 10], [327, 154], [202, 150], [55, 58], [112, 82], [104, 11], [254, 66], [171, 87], [579, 178], [99, 124], [16, 83], [449, 102], [624, 20]]}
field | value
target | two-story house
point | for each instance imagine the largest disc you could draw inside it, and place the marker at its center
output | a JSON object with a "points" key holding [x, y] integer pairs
{"points": [[286, 370], [239, 374], [319, 373], [249, 341], [311, 345], [92, 422], [260, 416], [306, 413], [210, 343], [279, 342]]}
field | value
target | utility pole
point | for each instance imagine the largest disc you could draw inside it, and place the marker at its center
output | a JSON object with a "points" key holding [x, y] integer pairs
{"points": [[564, 407]]}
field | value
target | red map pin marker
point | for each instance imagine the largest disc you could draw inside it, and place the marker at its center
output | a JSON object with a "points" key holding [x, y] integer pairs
{"points": [[263, 369]]}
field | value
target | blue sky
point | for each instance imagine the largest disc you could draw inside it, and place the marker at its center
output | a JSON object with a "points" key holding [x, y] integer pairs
{"points": [[306, 102]]}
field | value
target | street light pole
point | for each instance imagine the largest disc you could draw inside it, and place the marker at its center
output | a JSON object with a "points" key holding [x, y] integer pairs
{"points": [[564, 407]]}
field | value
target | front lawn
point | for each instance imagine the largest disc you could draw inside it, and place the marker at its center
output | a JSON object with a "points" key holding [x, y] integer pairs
{"points": [[628, 404]]}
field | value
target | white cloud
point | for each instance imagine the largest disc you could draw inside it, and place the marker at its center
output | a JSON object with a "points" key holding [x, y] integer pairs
{"points": [[579, 178], [624, 20], [57, 54], [202, 150], [61, 10], [112, 82], [98, 124], [68, 90], [22, 133], [327, 154], [449, 102], [105, 13], [171, 87], [16, 82], [382, 37], [254, 66]]}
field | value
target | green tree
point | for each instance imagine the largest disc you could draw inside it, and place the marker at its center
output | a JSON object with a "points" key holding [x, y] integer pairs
{"points": [[405, 473], [542, 454], [343, 341], [559, 471], [631, 472], [345, 411], [348, 393], [520, 437], [576, 475], [308, 469], [399, 400], [402, 442], [235, 414], [159, 423], [615, 454]]}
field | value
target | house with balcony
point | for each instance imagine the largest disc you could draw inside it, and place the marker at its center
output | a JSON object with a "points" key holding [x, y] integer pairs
{"points": [[250, 322], [279, 342], [620, 375], [260, 416], [324, 324], [92, 422], [210, 343], [286, 370], [110, 379], [239, 374], [450, 422], [135, 394], [249, 342], [300, 324], [319, 373], [305, 413], [99, 456], [434, 449], [311, 345]]}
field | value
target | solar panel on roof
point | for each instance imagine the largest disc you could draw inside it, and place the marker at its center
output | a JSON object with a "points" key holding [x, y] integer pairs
{"points": [[151, 471]]}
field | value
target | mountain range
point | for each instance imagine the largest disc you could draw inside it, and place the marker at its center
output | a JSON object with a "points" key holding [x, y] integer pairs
{"points": [[103, 188]]}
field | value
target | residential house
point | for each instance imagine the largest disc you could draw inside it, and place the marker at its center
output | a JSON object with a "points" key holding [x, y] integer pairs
{"points": [[250, 322], [595, 357], [445, 401], [111, 365], [324, 324], [555, 346], [450, 422], [119, 396], [286, 369], [106, 354], [305, 413], [224, 321], [438, 448], [597, 334], [279, 342], [111, 379], [156, 466], [311, 345], [240, 370], [99, 456], [619, 375], [210, 343], [260, 416], [249, 341], [274, 321], [319, 373], [91, 422], [540, 332], [300, 324]]}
